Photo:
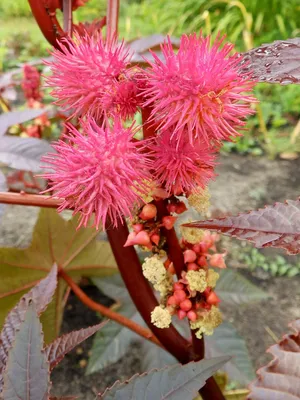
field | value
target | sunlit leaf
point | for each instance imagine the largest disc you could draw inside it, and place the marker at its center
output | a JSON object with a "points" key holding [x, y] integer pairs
{"points": [[280, 379], [177, 382], [27, 375], [272, 226], [55, 240], [18, 117]]}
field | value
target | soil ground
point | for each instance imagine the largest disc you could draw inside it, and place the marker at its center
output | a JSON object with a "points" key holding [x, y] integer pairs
{"points": [[243, 183]]}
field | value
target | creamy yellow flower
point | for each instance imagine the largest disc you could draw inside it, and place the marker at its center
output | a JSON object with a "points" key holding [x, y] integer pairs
{"points": [[212, 278], [197, 280], [161, 317], [200, 200], [207, 323], [154, 270]]}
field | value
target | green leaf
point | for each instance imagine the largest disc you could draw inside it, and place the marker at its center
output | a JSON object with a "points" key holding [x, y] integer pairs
{"points": [[177, 382], [55, 240], [233, 288], [27, 375], [155, 357], [226, 340]]}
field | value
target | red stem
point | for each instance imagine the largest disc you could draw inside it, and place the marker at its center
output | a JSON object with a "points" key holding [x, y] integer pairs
{"points": [[68, 16], [142, 294], [26, 199], [112, 19]]}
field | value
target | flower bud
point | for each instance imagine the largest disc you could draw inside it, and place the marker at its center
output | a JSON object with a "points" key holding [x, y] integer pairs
{"points": [[180, 208], [186, 305], [138, 228], [180, 295], [192, 316], [181, 314], [171, 269], [202, 261], [189, 256], [172, 301], [168, 222], [142, 238], [178, 286], [155, 238], [130, 239], [212, 299], [171, 207], [149, 211], [217, 260], [192, 267]]}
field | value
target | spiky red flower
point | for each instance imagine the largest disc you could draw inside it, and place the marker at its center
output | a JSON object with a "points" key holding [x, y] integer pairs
{"points": [[99, 171], [87, 70], [199, 88], [180, 166]]}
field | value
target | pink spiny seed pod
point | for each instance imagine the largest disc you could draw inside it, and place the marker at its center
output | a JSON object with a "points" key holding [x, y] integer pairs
{"points": [[178, 286], [212, 299], [192, 316], [180, 208], [202, 261], [172, 301], [217, 260], [192, 267], [130, 239], [189, 256], [142, 238], [181, 314], [155, 238], [149, 211], [180, 295], [168, 222], [138, 228], [186, 305]]}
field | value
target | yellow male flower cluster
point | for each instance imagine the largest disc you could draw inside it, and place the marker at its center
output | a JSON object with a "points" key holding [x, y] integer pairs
{"points": [[161, 317], [200, 200], [154, 270], [192, 235], [208, 322], [197, 280], [165, 286], [212, 278]]}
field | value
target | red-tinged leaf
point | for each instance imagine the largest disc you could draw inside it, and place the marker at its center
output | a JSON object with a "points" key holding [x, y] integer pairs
{"points": [[63, 398], [54, 241], [23, 153], [280, 379], [18, 117], [176, 382], [27, 375], [272, 226], [56, 350], [141, 47], [41, 295], [277, 62]]}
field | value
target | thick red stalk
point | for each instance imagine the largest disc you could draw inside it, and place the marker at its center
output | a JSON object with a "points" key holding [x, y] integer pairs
{"points": [[142, 294], [68, 16], [47, 21], [112, 18]]}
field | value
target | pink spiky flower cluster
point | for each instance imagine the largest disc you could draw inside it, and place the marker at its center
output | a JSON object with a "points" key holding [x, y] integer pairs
{"points": [[88, 69], [98, 171], [198, 90], [196, 98]]}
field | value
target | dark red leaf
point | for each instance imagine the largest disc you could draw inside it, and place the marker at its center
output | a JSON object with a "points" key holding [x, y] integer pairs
{"points": [[277, 62], [56, 350], [272, 226], [63, 398], [280, 379], [41, 295]]}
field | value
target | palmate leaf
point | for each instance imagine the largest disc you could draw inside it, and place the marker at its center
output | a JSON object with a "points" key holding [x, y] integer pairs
{"points": [[56, 350], [3, 188], [280, 379], [177, 382], [18, 117], [27, 375], [55, 240], [234, 289], [272, 226], [277, 62], [42, 295]]}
